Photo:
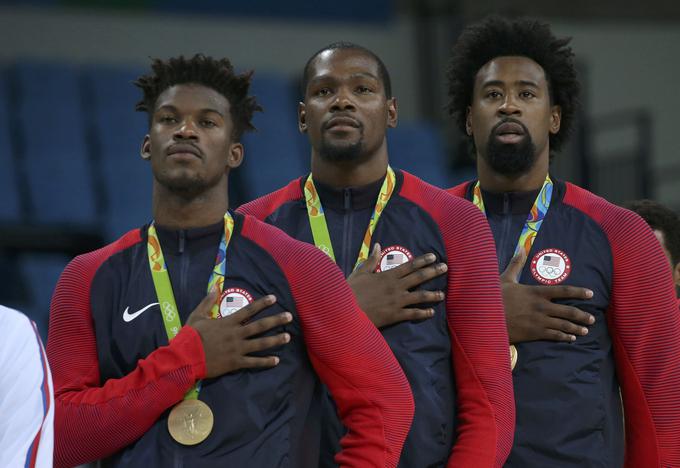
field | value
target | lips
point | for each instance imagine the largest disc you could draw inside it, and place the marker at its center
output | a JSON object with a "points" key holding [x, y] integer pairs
{"points": [[182, 148], [510, 128], [509, 132], [342, 122]]}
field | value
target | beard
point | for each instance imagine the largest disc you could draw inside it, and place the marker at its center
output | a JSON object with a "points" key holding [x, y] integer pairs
{"points": [[510, 159], [342, 151], [186, 184]]}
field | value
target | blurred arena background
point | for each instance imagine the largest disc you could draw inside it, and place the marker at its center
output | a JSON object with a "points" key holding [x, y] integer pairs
{"points": [[71, 178]]}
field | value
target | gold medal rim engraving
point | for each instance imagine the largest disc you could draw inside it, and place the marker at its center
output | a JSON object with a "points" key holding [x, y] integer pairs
{"points": [[513, 357], [194, 412]]}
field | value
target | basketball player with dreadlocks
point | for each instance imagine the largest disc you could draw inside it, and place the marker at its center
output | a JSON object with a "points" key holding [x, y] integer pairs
{"points": [[513, 91], [201, 339]]}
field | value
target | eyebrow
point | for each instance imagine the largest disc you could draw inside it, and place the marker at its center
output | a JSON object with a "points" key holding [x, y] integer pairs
{"points": [[353, 75], [174, 109], [533, 84]]}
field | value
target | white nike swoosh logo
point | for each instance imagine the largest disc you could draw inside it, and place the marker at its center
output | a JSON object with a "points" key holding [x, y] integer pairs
{"points": [[128, 317]]}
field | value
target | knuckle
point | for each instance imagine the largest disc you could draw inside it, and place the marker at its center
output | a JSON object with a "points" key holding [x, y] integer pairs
{"points": [[554, 334], [575, 314]]}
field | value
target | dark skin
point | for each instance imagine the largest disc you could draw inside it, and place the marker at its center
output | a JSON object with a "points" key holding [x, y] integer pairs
{"points": [[345, 105], [516, 87], [191, 151], [675, 268]]}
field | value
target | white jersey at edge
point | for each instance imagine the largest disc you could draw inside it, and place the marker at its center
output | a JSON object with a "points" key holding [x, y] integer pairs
{"points": [[26, 395]]}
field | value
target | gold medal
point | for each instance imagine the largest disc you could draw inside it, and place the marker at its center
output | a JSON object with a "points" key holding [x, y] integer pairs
{"points": [[513, 357], [190, 422]]}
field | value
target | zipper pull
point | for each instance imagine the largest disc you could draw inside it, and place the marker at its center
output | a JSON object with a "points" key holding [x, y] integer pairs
{"points": [[182, 238], [506, 203]]}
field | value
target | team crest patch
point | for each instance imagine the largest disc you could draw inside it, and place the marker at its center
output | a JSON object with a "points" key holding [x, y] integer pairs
{"points": [[234, 299], [550, 266], [392, 257]]}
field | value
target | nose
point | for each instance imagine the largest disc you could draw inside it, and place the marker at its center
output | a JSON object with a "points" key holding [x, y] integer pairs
{"points": [[186, 131], [342, 101], [509, 106]]}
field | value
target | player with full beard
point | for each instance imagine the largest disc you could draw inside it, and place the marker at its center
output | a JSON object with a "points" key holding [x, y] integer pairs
{"points": [[591, 313]]}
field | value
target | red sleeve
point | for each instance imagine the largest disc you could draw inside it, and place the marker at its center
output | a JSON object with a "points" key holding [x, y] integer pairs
{"points": [[264, 206], [644, 325], [348, 353], [459, 190], [479, 338], [92, 420]]}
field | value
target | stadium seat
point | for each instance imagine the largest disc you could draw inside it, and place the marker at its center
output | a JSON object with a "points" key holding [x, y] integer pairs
{"points": [[276, 153], [41, 272], [417, 147], [118, 134], [52, 128], [10, 208]]}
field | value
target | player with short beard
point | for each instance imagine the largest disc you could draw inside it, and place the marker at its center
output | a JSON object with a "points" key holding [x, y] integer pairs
{"points": [[513, 90], [444, 322]]}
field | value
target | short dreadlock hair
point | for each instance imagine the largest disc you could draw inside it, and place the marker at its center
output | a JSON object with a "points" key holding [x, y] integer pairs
{"points": [[206, 71], [500, 37], [660, 218], [344, 45]]}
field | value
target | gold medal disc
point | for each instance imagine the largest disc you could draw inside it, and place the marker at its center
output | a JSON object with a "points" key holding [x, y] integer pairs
{"points": [[190, 422], [513, 357]]}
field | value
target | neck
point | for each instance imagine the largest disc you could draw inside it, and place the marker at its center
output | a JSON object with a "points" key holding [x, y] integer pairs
{"points": [[341, 174], [175, 211], [492, 181]]}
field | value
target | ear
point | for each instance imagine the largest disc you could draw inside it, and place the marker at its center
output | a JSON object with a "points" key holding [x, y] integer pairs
{"points": [[145, 150], [302, 117], [235, 155], [468, 121], [392, 114], [555, 119]]}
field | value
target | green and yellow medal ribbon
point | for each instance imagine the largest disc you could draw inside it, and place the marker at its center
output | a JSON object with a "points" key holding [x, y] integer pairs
{"points": [[530, 230], [161, 282], [534, 218], [317, 218]]}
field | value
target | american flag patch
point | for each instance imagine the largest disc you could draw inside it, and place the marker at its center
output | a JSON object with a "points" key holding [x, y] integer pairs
{"points": [[395, 259], [235, 301], [551, 260]]}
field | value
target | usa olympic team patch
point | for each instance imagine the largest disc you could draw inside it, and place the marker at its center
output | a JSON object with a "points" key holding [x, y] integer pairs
{"points": [[392, 257], [550, 266], [234, 299]]}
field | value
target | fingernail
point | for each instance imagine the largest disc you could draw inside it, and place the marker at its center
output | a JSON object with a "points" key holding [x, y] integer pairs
{"points": [[286, 338], [271, 298], [276, 360], [572, 337], [288, 316], [431, 313], [584, 331], [589, 293], [440, 295], [591, 319], [442, 267]]}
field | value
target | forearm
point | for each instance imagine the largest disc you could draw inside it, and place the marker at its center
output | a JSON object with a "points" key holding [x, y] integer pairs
{"points": [[93, 422]]}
